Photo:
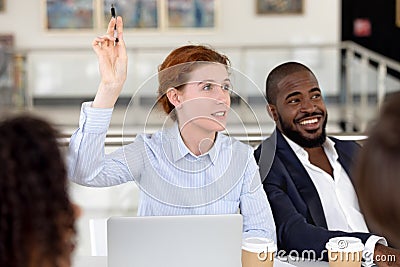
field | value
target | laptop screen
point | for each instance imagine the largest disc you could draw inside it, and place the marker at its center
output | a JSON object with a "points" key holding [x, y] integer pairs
{"points": [[176, 241]]}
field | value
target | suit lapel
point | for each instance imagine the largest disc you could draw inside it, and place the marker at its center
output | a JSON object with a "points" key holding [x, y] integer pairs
{"points": [[346, 156], [302, 180]]}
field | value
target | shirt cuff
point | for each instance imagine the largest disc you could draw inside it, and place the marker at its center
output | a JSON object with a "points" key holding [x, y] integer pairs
{"points": [[368, 252], [94, 120]]}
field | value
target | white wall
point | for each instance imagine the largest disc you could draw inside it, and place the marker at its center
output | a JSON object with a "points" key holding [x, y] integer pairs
{"points": [[237, 25]]}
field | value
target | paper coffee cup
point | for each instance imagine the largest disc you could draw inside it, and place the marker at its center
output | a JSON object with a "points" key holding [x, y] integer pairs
{"points": [[258, 252], [344, 251]]}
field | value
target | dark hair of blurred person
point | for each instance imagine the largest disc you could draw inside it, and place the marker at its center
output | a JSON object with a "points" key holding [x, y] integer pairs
{"points": [[36, 215], [378, 173]]}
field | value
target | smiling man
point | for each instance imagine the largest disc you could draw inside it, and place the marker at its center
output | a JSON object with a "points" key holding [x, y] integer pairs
{"points": [[308, 179]]}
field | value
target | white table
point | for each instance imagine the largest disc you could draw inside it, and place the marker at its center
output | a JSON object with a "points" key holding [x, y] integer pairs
{"points": [[100, 261]]}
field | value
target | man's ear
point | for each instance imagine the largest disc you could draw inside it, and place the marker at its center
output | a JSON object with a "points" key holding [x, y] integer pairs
{"points": [[272, 112], [173, 96]]}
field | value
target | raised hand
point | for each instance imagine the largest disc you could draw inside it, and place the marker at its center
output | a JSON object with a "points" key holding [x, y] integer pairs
{"points": [[113, 63]]}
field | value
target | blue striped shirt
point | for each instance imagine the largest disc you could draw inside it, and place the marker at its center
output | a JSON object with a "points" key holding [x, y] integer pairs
{"points": [[173, 181]]}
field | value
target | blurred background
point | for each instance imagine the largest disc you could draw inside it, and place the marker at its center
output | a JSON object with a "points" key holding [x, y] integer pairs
{"points": [[47, 66]]}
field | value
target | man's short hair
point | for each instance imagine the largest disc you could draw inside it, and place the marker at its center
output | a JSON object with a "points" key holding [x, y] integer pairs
{"points": [[277, 74]]}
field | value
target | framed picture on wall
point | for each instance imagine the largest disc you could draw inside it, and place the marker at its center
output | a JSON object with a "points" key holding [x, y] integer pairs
{"points": [[137, 14], [269, 7], [70, 14], [191, 14], [161, 15]]}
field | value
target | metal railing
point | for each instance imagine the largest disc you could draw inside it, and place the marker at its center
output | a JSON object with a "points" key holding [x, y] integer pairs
{"points": [[353, 71], [366, 59]]}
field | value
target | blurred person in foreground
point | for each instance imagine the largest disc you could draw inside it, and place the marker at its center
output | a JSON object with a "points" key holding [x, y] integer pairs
{"points": [[36, 215], [377, 179], [309, 180]]}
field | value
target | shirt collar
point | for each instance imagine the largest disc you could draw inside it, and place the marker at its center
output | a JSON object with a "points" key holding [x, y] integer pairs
{"points": [[180, 150], [328, 145]]}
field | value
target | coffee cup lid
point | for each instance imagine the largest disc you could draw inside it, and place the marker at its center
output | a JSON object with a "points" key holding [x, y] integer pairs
{"points": [[345, 244], [259, 244]]}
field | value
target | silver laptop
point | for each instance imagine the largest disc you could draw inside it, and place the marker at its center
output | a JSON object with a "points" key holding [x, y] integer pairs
{"points": [[175, 241]]}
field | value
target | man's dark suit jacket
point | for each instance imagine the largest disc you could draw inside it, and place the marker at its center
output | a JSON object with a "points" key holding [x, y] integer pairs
{"points": [[296, 206]]}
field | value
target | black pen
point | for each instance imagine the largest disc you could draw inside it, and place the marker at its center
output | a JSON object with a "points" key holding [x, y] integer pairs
{"points": [[113, 14]]}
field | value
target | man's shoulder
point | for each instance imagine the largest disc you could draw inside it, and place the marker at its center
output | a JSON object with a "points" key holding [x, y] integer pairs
{"points": [[268, 146]]}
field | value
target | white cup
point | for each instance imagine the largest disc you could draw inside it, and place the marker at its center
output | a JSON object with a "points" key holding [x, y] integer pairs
{"points": [[344, 251], [258, 252]]}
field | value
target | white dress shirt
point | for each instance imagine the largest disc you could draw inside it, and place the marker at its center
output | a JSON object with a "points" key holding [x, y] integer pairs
{"points": [[337, 194]]}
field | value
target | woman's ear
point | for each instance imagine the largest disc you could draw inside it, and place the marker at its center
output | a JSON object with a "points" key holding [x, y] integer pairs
{"points": [[173, 96], [272, 112]]}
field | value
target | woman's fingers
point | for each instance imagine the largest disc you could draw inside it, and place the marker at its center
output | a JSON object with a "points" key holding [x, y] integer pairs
{"points": [[115, 25], [120, 27], [104, 38], [96, 44], [111, 26], [103, 41], [121, 42]]}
